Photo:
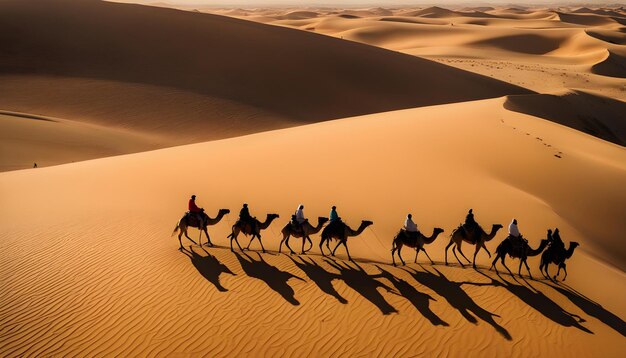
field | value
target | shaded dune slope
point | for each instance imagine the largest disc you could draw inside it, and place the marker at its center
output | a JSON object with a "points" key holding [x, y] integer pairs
{"points": [[596, 115], [296, 75]]}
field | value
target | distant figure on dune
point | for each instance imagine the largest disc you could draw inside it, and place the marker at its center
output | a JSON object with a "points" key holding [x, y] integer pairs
{"points": [[34, 165]]}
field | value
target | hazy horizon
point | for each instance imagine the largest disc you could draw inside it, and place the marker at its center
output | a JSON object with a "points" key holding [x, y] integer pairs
{"points": [[354, 3]]}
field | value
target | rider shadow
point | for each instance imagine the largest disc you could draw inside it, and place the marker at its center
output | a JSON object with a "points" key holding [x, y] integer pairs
{"points": [[537, 300], [420, 300], [591, 308], [208, 266], [363, 283], [457, 298], [322, 278], [273, 277]]}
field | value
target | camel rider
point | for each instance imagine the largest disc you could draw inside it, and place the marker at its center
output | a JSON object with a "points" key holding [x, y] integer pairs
{"points": [[244, 216], [514, 233], [549, 237], [471, 226], [195, 210], [334, 217], [556, 240], [299, 218], [333, 214], [410, 227]]}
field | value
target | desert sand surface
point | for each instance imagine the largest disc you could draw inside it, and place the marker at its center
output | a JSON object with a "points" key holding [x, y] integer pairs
{"points": [[321, 107]]}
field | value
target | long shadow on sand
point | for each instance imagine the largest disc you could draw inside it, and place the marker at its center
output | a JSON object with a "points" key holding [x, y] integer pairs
{"points": [[457, 298], [208, 266], [273, 277], [365, 284], [322, 278], [537, 300], [591, 308], [420, 300]]}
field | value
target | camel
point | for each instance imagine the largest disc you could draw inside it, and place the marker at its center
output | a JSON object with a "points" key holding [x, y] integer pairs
{"points": [[307, 229], [556, 255], [247, 229], [188, 221], [417, 242], [340, 231], [522, 252], [460, 234]]}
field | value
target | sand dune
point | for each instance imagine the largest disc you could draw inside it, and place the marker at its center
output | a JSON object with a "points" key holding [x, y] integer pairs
{"points": [[225, 77], [88, 286]]}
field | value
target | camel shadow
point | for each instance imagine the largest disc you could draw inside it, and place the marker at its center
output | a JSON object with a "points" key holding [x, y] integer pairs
{"points": [[457, 298], [209, 267], [418, 299], [538, 301], [322, 278], [272, 276], [363, 283], [591, 308]]}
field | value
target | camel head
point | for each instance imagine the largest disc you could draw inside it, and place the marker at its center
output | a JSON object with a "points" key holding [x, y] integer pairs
{"points": [[438, 231], [224, 211], [322, 220], [574, 245], [272, 216], [366, 223]]}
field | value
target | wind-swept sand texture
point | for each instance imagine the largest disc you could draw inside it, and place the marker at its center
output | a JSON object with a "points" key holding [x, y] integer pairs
{"points": [[87, 261], [90, 268]]}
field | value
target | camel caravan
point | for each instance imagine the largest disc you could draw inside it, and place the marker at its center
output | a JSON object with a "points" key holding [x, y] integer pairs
{"points": [[552, 249]]}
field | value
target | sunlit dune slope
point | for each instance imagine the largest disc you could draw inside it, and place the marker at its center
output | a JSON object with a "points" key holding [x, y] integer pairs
{"points": [[90, 268]]}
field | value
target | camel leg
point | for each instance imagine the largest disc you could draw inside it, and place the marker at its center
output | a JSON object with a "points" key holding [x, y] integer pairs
{"points": [[485, 247], [399, 255], [417, 251], [310, 244], [328, 244], [449, 244], [321, 247], [564, 270], [187, 236], [200, 237], [303, 241], [280, 247], [493, 263], [207, 237], [393, 252], [345, 243], [505, 266], [431, 260], [528, 268], [475, 253], [519, 270], [457, 258], [557, 272], [458, 247], [339, 243], [289, 246], [261, 242], [252, 238], [179, 240]]}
